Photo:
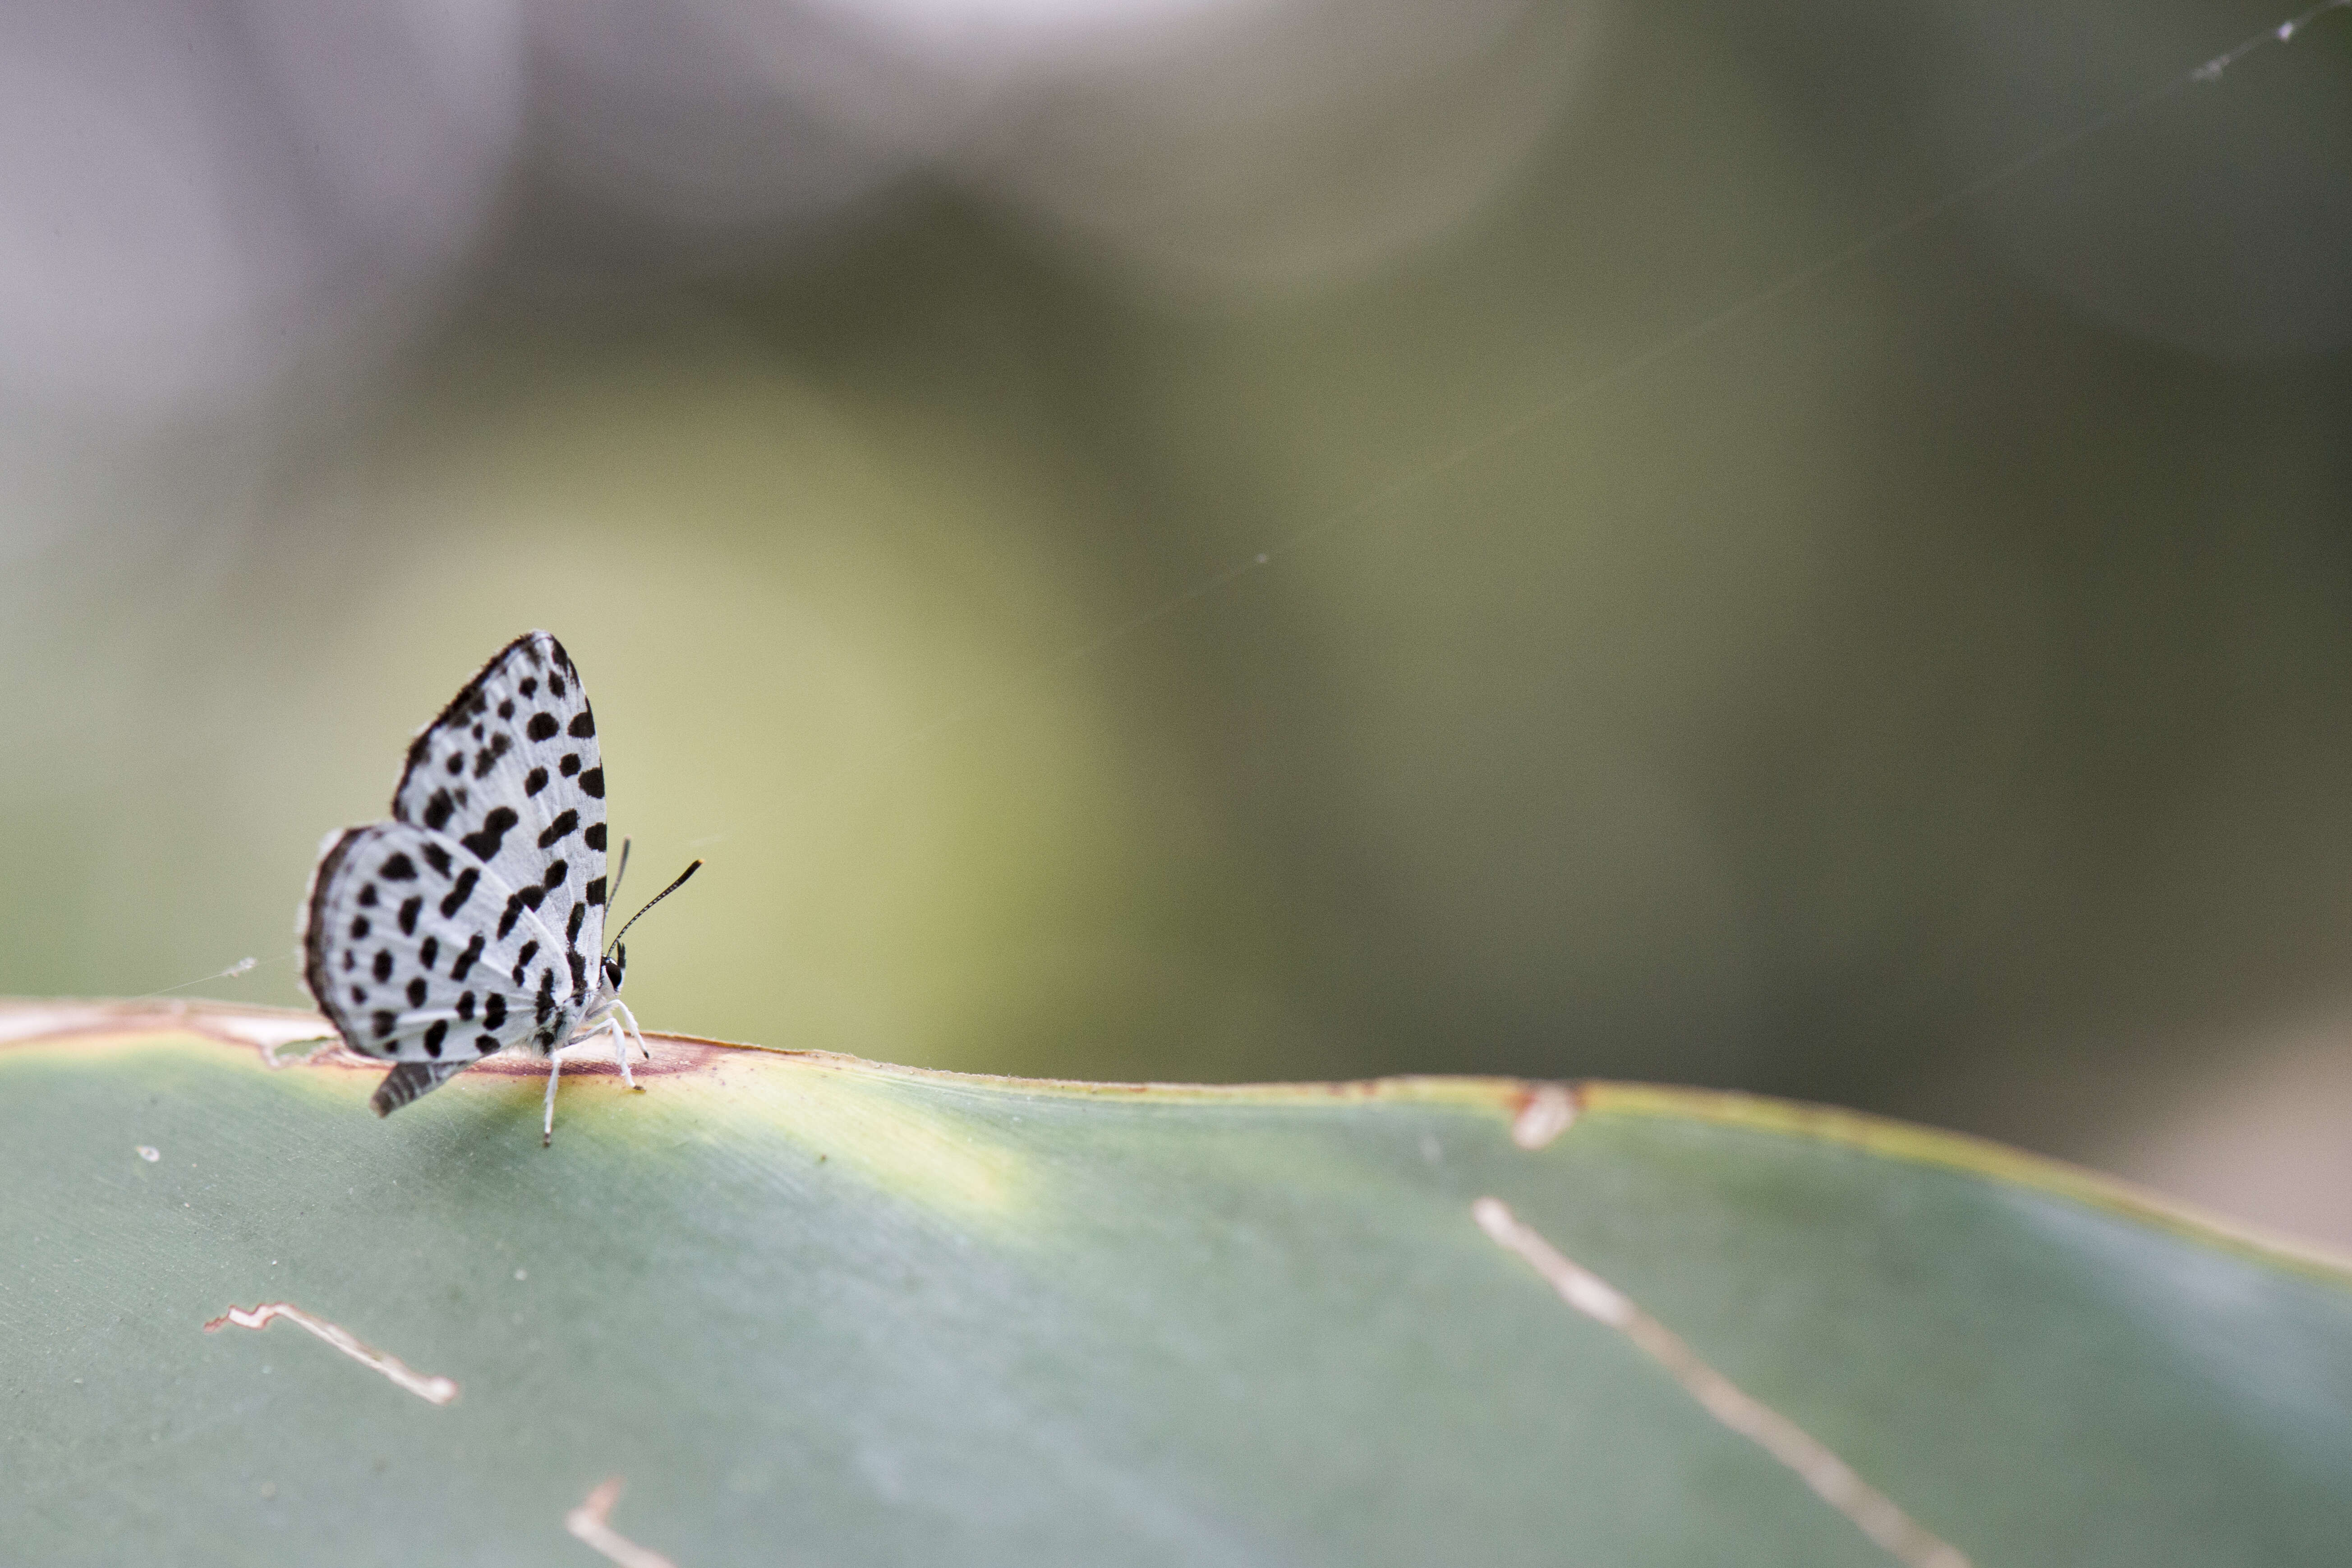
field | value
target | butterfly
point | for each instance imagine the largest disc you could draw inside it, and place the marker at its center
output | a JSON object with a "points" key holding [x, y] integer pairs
{"points": [[472, 921]]}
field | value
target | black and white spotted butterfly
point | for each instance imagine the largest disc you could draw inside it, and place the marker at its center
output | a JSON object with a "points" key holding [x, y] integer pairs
{"points": [[471, 922]]}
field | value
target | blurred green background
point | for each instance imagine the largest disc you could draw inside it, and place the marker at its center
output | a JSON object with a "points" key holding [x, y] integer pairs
{"points": [[1927, 687]]}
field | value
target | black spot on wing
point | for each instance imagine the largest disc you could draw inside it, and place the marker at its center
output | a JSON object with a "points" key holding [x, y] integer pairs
{"points": [[591, 784], [560, 828], [409, 909], [397, 868], [465, 1009], [596, 891], [578, 917], [542, 727], [360, 927], [485, 841], [435, 1035], [417, 991], [535, 781], [494, 1011], [594, 836], [436, 858], [584, 723], [382, 970], [462, 889], [487, 757], [430, 953], [466, 959], [569, 765]]}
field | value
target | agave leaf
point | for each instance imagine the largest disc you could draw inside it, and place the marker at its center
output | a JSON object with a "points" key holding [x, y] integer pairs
{"points": [[806, 1309]]}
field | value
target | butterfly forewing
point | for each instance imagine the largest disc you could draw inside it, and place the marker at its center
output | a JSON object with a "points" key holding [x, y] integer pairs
{"points": [[510, 772], [412, 959]]}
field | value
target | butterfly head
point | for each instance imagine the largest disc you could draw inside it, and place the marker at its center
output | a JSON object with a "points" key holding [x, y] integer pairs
{"points": [[615, 963]]}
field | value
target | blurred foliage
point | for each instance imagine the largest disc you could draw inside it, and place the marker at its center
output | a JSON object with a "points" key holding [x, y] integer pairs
{"points": [[1927, 689]]}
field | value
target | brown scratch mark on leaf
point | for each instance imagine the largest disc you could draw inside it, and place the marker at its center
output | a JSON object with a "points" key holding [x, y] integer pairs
{"points": [[588, 1523], [306, 1053], [1830, 1477], [429, 1387], [1548, 1111]]}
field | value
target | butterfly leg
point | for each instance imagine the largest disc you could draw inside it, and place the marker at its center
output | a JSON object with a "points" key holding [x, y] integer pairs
{"points": [[547, 1132], [621, 1051], [635, 1033]]}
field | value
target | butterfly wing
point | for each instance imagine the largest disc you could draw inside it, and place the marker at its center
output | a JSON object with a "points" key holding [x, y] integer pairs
{"points": [[511, 771], [409, 951]]}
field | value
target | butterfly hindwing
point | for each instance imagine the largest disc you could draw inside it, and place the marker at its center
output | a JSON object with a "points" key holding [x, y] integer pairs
{"points": [[407, 949], [511, 773]]}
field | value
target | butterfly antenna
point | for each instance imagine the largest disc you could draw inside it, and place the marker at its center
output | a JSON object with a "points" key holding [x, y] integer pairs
{"points": [[657, 898], [615, 897]]}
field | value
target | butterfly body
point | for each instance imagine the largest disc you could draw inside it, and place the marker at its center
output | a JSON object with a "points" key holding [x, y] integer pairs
{"points": [[470, 923]]}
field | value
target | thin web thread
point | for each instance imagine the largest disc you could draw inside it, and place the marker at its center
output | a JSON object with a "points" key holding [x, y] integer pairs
{"points": [[1357, 513], [242, 966]]}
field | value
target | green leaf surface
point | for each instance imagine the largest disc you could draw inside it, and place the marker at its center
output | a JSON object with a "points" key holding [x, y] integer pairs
{"points": [[811, 1310]]}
